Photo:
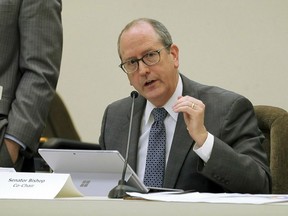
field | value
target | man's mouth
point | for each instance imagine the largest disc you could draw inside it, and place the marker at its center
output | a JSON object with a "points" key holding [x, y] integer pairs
{"points": [[149, 82]]}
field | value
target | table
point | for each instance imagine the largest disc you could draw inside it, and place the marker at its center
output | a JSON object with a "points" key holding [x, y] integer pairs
{"points": [[98, 206]]}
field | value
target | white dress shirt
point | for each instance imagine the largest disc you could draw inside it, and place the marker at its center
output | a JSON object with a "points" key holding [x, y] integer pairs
{"points": [[170, 124]]}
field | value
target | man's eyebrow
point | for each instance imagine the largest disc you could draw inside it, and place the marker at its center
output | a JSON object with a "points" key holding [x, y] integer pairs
{"points": [[143, 53]]}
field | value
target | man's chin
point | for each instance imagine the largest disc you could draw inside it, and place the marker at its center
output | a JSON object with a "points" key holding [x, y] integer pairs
{"points": [[154, 97]]}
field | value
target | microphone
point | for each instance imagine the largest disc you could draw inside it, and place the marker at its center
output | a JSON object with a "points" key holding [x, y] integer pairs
{"points": [[120, 190]]}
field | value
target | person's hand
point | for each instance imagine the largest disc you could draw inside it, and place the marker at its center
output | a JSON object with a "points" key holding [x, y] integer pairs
{"points": [[193, 111], [13, 149]]}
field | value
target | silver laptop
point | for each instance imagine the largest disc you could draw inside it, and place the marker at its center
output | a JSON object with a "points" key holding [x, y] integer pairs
{"points": [[93, 172]]}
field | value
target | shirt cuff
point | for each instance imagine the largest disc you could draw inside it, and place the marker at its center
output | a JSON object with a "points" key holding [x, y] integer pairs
{"points": [[204, 152], [7, 136]]}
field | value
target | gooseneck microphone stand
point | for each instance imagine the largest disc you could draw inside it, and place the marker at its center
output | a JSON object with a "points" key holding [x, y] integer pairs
{"points": [[122, 188]]}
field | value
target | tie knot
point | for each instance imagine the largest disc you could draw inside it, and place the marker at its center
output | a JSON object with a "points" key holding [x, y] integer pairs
{"points": [[159, 114]]}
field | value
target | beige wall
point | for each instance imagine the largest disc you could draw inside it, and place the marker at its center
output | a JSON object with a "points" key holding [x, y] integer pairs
{"points": [[241, 45]]}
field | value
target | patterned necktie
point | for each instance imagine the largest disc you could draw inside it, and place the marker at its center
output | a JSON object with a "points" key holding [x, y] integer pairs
{"points": [[155, 161]]}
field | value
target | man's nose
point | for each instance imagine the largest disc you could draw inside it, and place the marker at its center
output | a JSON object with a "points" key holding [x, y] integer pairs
{"points": [[142, 67]]}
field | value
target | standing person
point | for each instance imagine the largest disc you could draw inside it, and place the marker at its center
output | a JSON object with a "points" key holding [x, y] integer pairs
{"points": [[30, 58], [213, 143]]}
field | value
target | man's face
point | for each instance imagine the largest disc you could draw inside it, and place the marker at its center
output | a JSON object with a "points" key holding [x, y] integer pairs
{"points": [[158, 82]]}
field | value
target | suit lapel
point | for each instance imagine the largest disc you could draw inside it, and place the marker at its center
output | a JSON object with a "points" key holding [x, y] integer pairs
{"points": [[181, 146], [182, 143]]}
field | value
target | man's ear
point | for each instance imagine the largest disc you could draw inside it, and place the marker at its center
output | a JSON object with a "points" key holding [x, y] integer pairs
{"points": [[174, 51]]}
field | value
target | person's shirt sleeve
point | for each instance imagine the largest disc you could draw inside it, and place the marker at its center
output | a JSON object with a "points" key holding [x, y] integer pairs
{"points": [[204, 152], [7, 136]]}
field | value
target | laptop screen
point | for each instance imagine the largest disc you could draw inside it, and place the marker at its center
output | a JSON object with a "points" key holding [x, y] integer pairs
{"points": [[94, 172]]}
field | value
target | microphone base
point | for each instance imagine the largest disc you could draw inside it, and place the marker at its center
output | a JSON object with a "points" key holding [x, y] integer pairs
{"points": [[121, 190]]}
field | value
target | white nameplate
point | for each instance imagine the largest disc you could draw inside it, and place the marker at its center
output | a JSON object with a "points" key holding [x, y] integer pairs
{"points": [[17, 185], [7, 169]]}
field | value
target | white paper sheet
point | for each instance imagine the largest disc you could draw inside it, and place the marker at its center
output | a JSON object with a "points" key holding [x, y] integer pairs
{"points": [[213, 197]]}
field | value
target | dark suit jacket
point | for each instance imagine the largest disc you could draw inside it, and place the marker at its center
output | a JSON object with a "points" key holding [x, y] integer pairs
{"points": [[30, 57], [237, 163]]}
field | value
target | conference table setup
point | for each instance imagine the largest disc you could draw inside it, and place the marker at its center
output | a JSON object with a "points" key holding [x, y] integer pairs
{"points": [[113, 188], [59, 194], [105, 206]]}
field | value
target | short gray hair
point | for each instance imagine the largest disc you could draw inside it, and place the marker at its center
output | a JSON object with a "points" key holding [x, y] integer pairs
{"points": [[160, 29]]}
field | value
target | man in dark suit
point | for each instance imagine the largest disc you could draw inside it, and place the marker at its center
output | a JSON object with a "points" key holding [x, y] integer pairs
{"points": [[213, 143], [30, 57]]}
